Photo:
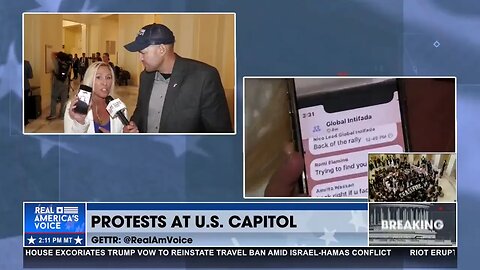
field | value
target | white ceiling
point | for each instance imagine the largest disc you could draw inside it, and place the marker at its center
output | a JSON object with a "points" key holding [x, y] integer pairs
{"points": [[89, 18]]}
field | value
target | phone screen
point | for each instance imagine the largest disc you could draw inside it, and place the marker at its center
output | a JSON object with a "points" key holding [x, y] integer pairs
{"points": [[339, 128], [84, 95]]}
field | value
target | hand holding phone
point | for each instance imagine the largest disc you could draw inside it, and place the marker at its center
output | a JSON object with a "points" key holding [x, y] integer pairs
{"points": [[78, 117], [335, 130], [84, 97]]}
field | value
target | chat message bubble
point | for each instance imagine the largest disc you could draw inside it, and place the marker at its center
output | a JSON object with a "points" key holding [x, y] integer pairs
{"points": [[355, 187], [360, 137], [345, 164]]}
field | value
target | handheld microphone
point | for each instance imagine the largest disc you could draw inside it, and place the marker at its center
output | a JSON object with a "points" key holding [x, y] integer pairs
{"points": [[115, 107]]}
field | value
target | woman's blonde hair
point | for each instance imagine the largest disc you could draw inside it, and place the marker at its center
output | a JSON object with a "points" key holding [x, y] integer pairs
{"points": [[89, 78]]}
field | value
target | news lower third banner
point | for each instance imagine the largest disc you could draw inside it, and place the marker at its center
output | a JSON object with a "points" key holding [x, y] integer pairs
{"points": [[210, 235], [195, 224]]}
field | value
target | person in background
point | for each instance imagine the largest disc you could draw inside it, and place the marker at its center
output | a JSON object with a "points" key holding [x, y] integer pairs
{"points": [[99, 76], [76, 61], [70, 56], [60, 83], [106, 59], [83, 65], [443, 168], [98, 57]]}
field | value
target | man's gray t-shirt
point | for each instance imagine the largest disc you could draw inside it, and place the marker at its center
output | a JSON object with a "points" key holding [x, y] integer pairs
{"points": [[157, 98]]}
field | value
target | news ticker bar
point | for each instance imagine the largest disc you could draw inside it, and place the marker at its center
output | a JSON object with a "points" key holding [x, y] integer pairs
{"points": [[194, 224], [246, 257]]}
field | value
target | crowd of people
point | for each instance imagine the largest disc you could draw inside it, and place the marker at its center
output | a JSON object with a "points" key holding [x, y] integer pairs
{"points": [[392, 179]]}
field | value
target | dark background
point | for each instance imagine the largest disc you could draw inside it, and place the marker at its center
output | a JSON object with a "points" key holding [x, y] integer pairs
{"points": [[430, 111]]}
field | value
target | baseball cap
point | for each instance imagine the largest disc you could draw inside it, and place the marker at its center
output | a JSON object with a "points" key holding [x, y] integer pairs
{"points": [[152, 34]]}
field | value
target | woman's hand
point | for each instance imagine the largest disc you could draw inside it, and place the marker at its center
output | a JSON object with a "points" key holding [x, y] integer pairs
{"points": [[80, 118]]}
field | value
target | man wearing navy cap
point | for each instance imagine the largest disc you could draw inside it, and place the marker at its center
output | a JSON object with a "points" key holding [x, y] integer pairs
{"points": [[176, 95]]}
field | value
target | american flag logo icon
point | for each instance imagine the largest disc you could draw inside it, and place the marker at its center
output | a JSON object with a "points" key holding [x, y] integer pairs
{"points": [[67, 210]]}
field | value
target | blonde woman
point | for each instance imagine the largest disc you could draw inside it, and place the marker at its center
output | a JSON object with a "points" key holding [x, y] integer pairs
{"points": [[99, 76]]}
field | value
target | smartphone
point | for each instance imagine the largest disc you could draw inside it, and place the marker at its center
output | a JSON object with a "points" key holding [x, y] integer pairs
{"points": [[337, 122], [84, 96]]}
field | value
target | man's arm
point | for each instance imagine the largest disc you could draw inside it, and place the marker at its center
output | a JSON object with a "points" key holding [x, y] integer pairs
{"points": [[136, 116], [132, 126], [215, 115]]}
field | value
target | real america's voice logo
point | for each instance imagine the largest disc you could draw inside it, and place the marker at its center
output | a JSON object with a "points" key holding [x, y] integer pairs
{"points": [[48, 217], [54, 224]]}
